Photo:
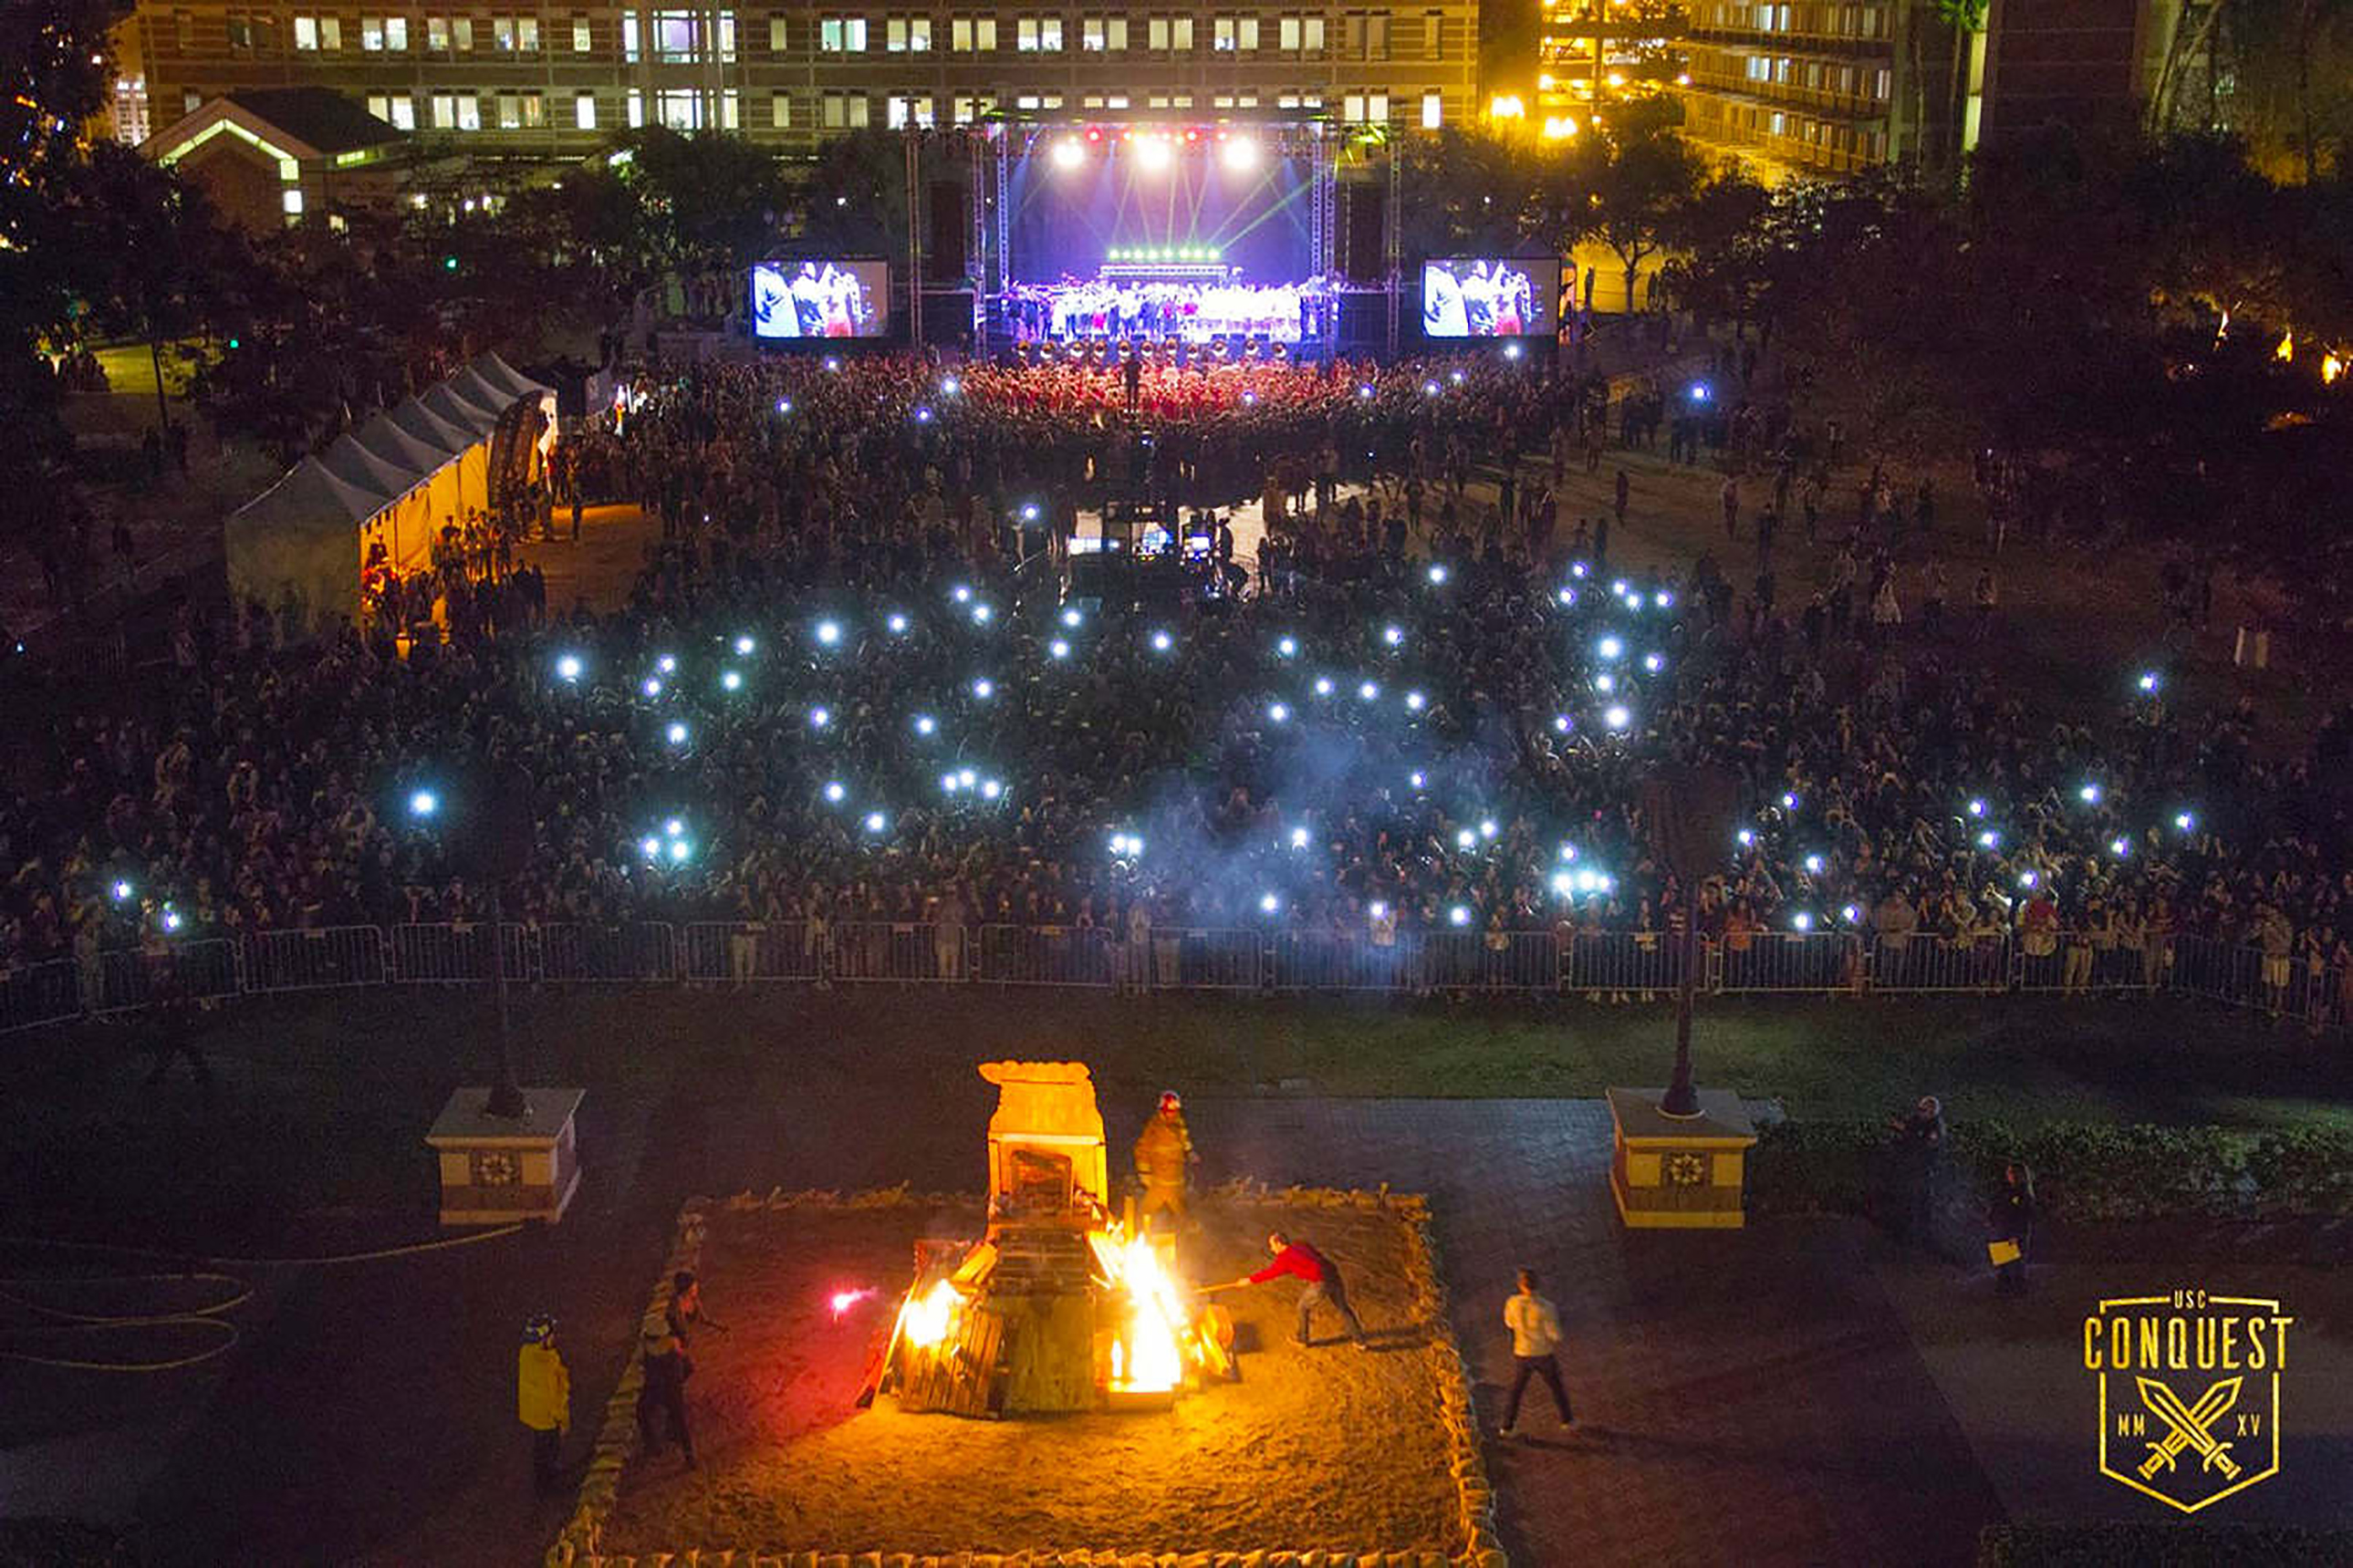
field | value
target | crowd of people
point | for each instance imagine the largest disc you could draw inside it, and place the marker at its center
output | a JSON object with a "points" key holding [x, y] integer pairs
{"points": [[836, 695]]}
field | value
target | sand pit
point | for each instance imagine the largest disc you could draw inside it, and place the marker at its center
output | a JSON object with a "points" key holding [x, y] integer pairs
{"points": [[1322, 1449]]}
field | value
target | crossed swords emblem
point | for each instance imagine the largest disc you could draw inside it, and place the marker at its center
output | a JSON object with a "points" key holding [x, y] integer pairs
{"points": [[2189, 1427]]}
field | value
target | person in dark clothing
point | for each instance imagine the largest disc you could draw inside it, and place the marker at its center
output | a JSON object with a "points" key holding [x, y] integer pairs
{"points": [[1321, 1277], [685, 1309], [1919, 1148], [2012, 1226], [663, 1392]]}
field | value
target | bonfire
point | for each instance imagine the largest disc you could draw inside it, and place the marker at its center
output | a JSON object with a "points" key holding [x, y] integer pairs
{"points": [[1063, 1305]]}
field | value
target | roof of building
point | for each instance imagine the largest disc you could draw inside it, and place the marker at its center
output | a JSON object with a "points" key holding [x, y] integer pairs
{"points": [[319, 117]]}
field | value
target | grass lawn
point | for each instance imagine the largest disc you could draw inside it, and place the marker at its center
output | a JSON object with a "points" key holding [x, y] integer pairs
{"points": [[318, 1103]]}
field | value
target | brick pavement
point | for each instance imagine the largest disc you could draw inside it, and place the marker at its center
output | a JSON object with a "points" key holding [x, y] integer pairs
{"points": [[1742, 1395]]}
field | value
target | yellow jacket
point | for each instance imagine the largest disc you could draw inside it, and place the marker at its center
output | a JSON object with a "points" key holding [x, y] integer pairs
{"points": [[542, 1389], [1162, 1149]]}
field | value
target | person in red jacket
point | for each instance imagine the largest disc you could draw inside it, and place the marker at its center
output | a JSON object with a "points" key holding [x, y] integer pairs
{"points": [[1321, 1277]]}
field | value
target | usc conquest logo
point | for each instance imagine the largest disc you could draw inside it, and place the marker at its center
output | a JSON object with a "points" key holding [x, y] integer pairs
{"points": [[2189, 1393]]}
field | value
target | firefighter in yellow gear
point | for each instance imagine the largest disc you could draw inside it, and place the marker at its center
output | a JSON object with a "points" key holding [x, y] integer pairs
{"points": [[544, 1400], [1164, 1161]]}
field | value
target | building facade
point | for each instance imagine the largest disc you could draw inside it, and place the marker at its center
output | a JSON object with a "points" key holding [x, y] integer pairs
{"points": [[1818, 87], [514, 80]]}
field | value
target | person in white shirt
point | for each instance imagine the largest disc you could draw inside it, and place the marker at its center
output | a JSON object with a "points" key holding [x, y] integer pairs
{"points": [[1535, 1336]]}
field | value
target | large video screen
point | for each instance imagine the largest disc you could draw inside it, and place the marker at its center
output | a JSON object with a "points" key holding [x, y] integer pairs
{"points": [[1484, 297], [821, 299]]}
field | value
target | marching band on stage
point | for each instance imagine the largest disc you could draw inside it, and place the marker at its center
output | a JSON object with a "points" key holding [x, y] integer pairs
{"points": [[1193, 312]]}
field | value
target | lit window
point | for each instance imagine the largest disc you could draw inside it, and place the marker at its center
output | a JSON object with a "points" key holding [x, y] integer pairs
{"points": [[907, 35], [731, 110], [1100, 35], [1434, 109], [1433, 35], [630, 48], [503, 34], [583, 111], [777, 37], [679, 108], [527, 35], [842, 35], [436, 34], [306, 32], [331, 33], [470, 111], [292, 199], [780, 110], [637, 108], [583, 41], [461, 33]]}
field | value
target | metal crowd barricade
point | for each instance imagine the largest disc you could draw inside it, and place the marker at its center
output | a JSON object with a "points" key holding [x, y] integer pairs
{"points": [[2226, 972], [1925, 961], [38, 993], [313, 959], [641, 951], [439, 954], [128, 978], [1310, 960], [740, 953], [1045, 956], [1222, 959], [2038, 959], [1788, 961], [1621, 962], [894, 951]]}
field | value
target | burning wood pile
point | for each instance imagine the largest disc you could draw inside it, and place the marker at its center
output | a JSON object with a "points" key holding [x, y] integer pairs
{"points": [[1062, 1306]]}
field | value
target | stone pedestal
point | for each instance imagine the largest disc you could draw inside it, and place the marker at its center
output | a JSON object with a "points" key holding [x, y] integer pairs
{"points": [[1678, 1171], [496, 1170]]}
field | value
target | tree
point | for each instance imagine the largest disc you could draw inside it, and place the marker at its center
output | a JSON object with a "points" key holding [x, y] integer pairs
{"points": [[1638, 189], [1467, 193], [169, 264], [709, 199]]}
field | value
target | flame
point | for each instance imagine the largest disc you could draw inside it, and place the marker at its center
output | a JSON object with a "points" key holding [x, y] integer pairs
{"points": [[1148, 1351], [2287, 350], [842, 1300], [926, 1320], [2331, 367]]}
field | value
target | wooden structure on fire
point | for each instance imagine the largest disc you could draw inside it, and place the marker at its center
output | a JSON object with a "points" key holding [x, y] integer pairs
{"points": [[1038, 1316]]}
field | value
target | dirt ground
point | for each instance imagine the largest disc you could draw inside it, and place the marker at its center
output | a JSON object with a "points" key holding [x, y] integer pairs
{"points": [[1321, 1448]]}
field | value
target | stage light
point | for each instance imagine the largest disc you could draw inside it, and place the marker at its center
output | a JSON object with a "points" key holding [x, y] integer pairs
{"points": [[1455, 376], [784, 405], [2148, 680], [1653, 663], [1191, 136], [1788, 797], [1068, 153], [1095, 134], [1153, 154], [2119, 847], [966, 778], [2089, 794], [923, 413], [1561, 723], [1609, 647], [1240, 154], [1378, 909], [1566, 595], [1429, 389], [1977, 807], [1989, 839], [990, 789], [674, 828], [1436, 575], [982, 614], [1249, 398], [961, 594]]}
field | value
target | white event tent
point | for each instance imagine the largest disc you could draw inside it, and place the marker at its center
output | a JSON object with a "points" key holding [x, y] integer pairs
{"points": [[396, 480]]}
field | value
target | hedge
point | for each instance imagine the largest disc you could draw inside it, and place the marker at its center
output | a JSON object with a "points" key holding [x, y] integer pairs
{"points": [[2159, 1545], [2082, 1171]]}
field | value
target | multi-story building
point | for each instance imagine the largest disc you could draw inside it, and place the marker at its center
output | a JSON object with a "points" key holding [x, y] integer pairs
{"points": [[1589, 52], [1805, 84], [1835, 86], [519, 80]]}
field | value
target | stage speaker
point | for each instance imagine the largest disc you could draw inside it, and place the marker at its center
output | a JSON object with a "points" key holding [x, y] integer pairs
{"points": [[944, 244], [1363, 212]]}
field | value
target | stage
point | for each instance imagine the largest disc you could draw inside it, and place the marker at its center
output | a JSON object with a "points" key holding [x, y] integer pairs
{"points": [[1214, 236]]}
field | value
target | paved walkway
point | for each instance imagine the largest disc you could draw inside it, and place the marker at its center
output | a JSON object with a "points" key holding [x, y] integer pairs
{"points": [[1742, 1395]]}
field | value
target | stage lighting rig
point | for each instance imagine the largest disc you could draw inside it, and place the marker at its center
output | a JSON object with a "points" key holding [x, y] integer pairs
{"points": [[1240, 154], [1069, 153]]}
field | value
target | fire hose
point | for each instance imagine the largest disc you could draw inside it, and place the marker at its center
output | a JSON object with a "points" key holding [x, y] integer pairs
{"points": [[209, 1318]]}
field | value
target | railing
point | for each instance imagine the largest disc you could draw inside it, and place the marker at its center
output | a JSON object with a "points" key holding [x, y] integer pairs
{"points": [[1632, 966]]}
